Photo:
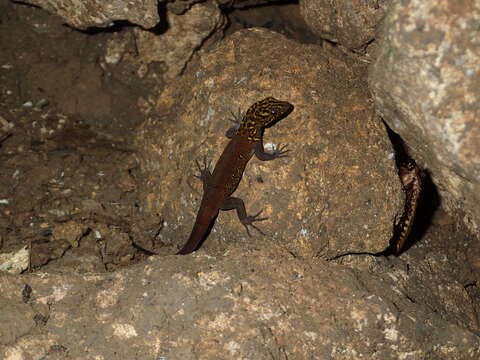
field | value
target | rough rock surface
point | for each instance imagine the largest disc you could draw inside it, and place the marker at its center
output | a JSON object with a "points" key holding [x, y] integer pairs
{"points": [[67, 192], [257, 304], [426, 82], [186, 33], [58, 177], [351, 24], [328, 197], [83, 14]]}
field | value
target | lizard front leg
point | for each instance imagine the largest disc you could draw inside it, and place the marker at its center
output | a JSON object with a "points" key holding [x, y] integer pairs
{"points": [[264, 156], [205, 173], [231, 203], [236, 119]]}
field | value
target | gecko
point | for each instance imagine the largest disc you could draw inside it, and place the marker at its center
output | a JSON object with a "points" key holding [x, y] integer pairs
{"points": [[246, 139], [411, 179]]}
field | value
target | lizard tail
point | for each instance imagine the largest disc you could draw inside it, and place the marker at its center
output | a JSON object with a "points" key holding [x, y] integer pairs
{"points": [[203, 223]]}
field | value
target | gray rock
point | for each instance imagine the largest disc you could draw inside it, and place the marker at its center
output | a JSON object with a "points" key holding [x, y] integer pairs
{"points": [[83, 14], [426, 86], [258, 304]]}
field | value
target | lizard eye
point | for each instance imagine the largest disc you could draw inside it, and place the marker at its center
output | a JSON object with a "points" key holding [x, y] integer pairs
{"points": [[273, 112]]}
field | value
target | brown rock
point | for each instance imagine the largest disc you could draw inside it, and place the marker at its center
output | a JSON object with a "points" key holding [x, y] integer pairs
{"points": [[337, 192], [426, 82], [83, 14], [351, 24], [250, 304], [70, 231], [186, 33]]}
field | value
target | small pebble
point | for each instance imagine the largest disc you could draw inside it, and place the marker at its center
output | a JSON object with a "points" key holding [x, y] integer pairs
{"points": [[40, 104]]}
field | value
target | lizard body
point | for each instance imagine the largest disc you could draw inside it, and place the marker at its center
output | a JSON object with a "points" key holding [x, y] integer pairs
{"points": [[245, 141], [411, 180]]}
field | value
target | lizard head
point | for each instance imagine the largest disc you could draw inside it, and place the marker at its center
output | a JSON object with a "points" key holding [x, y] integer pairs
{"points": [[267, 112], [408, 170]]}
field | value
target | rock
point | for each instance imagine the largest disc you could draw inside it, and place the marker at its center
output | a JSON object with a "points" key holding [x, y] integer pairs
{"points": [[338, 191], [97, 13], [15, 262], [70, 231], [249, 304], [425, 82], [185, 35], [16, 317], [351, 24]]}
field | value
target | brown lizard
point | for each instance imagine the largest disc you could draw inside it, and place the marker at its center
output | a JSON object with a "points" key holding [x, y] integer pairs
{"points": [[411, 179], [245, 140]]}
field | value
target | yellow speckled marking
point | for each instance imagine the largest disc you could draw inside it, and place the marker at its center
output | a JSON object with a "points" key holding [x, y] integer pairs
{"points": [[259, 115]]}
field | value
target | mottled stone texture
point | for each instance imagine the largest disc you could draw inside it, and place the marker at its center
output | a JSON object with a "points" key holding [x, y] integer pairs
{"points": [[350, 23], [426, 83], [185, 35], [327, 197], [260, 304], [83, 14]]}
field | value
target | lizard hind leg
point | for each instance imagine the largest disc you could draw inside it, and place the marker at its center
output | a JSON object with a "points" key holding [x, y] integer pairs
{"points": [[231, 203]]}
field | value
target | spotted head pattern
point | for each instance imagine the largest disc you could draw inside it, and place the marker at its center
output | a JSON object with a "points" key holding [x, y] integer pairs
{"points": [[261, 114]]}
